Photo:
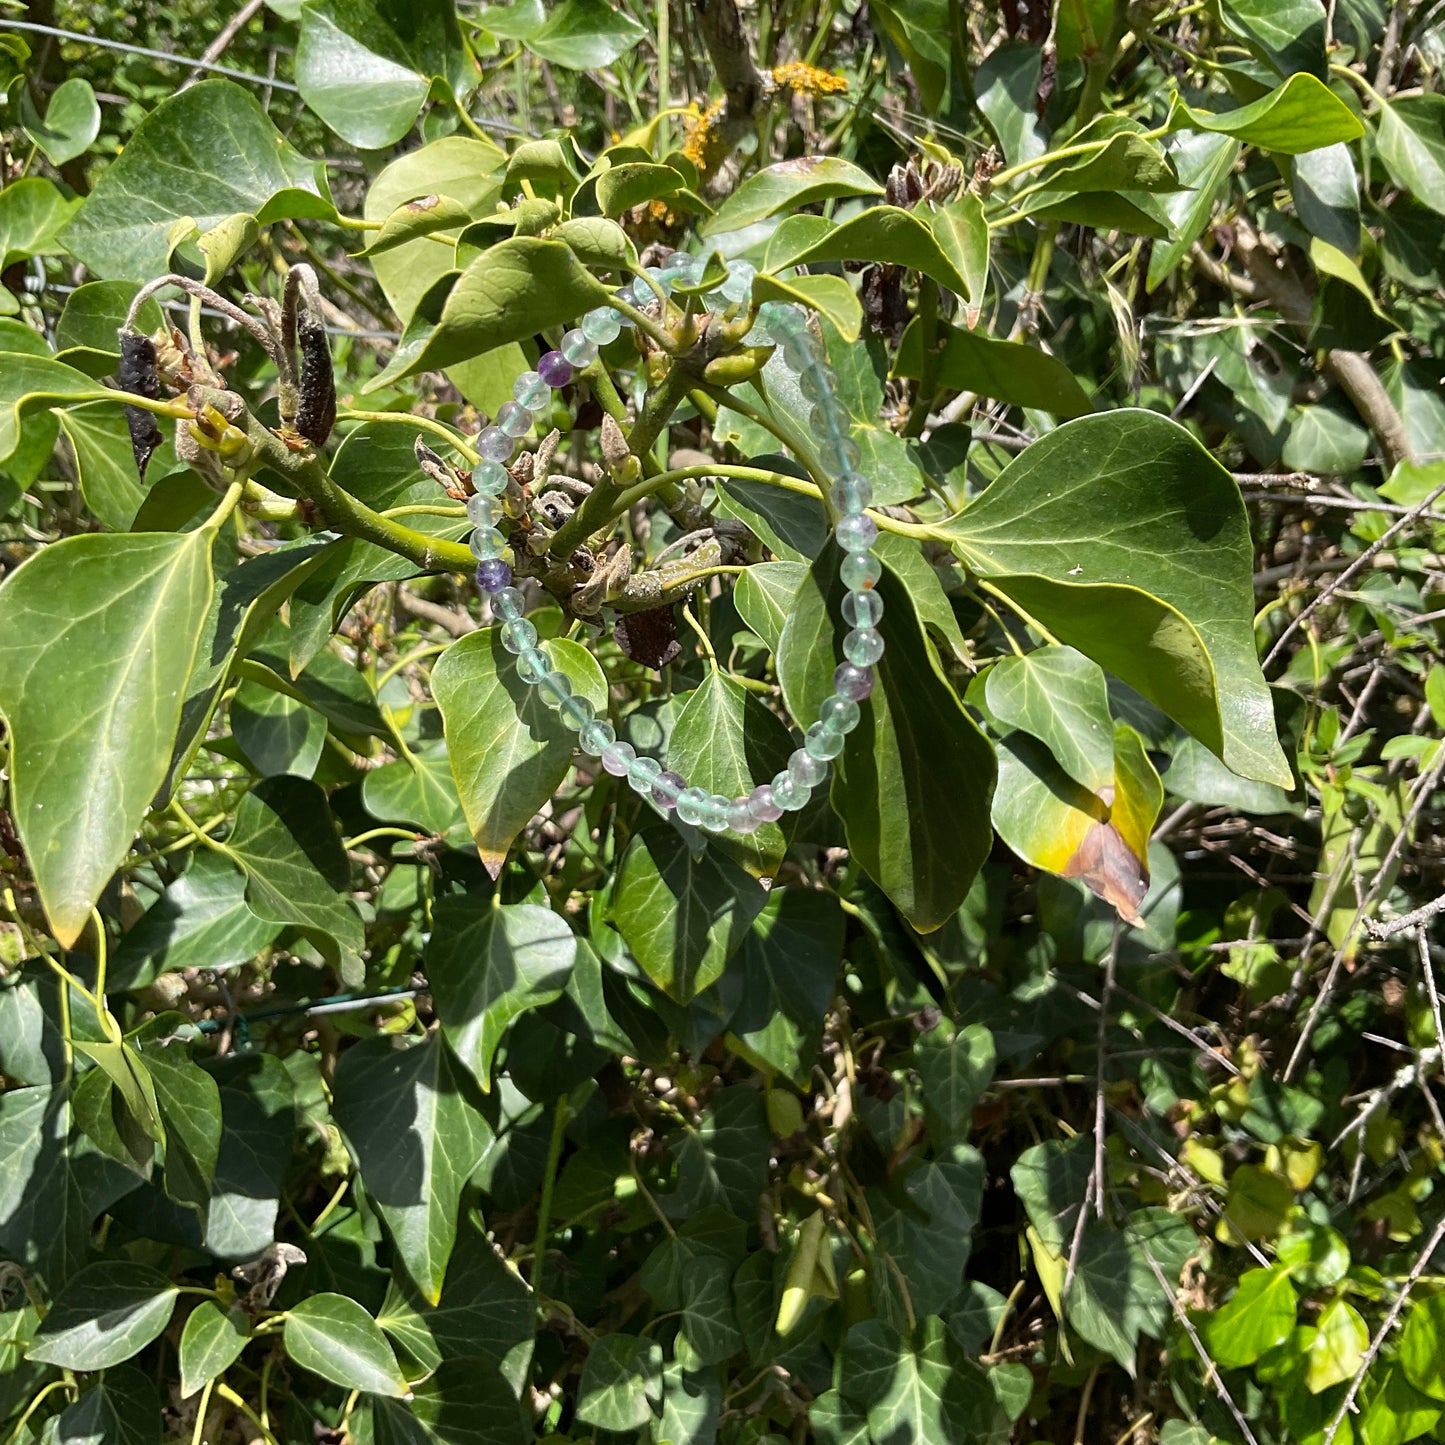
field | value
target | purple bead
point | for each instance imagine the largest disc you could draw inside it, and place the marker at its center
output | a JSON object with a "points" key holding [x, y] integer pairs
{"points": [[493, 575], [760, 800], [666, 788], [854, 683], [555, 369]]}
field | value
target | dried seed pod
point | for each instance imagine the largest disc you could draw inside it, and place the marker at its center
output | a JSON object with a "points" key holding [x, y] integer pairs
{"points": [[137, 373], [316, 410], [434, 467]]}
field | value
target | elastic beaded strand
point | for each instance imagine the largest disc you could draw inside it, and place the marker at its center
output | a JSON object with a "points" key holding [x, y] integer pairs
{"points": [[855, 533]]}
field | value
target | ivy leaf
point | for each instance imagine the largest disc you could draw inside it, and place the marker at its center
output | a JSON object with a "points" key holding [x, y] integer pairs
{"points": [[683, 916], [122, 1408], [961, 231], [723, 1163], [211, 1343], [333, 1337], [1341, 1339], [417, 1140], [233, 159], [277, 733], [584, 35], [33, 212], [509, 751], [104, 461], [621, 187], [27, 384], [139, 604], [1062, 698], [296, 868], [830, 296], [764, 597], [894, 237], [914, 745], [621, 1382], [416, 789], [954, 1069], [790, 185], [1411, 141], [103, 1315], [1257, 1317], [1289, 34], [1300, 115], [909, 1391], [691, 1404], [836, 1421], [86, 334], [71, 122], [1422, 1346], [190, 1111], [487, 964], [1159, 592], [723, 740], [458, 1405], [1204, 162]]}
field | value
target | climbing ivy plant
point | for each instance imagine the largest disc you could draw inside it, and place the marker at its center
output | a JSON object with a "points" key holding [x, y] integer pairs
{"points": [[378, 1066]]}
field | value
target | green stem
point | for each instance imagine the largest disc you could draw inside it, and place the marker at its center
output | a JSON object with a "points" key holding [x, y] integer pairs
{"points": [[928, 382], [421, 423], [560, 1119]]}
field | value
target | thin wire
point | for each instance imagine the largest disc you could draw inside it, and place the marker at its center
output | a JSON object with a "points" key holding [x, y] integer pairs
{"points": [[151, 54]]}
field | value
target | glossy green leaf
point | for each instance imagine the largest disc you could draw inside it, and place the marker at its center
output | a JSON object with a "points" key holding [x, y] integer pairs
{"points": [[1289, 34], [1006, 85], [794, 526], [1062, 698], [893, 237], [1300, 115], [1011, 371], [1257, 1317], [691, 1271], [1203, 162], [1410, 140], [1158, 591], [216, 137], [1398, 1412], [211, 1343], [683, 916], [1422, 1346], [116, 701], [914, 744], [367, 69], [624, 186], [103, 1315], [509, 751], [955, 1067], [70, 124], [691, 1405], [764, 596], [598, 243], [1326, 193], [1127, 160], [487, 964], [726, 741], [33, 212], [418, 789], [790, 185], [421, 217], [190, 1112], [278, 733], [830, 296], [105, 463], [920, 30], [1339, 1345], [621, 1382], [723, 1163], [28, 383], [417, 1137], [333, 1337], [961, 231], [584, 35], [121, 1408], [460, 1404], [925, 1219]]}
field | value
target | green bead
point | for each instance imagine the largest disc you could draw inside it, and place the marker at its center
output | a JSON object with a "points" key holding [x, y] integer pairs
{"points": [[555, 687], [839, 713], [863, 609], [824, 742], [804, 768], [576, 712], [863, 646], [860, 570], [691, 804], [533, 666]]}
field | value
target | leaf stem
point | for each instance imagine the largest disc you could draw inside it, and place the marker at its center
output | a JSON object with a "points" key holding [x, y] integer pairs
{"points": [[561, 1117], [421, 423], [1014, 607]]}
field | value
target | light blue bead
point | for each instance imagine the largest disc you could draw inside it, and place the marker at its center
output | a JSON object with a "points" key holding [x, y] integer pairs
{"points": [[479, 510], [487, 542], [813, 383], [618, 758], [860, 570], [664, 281], [490, 478], [841, 713], [494, 444], [602, 325], [852, 493], [518, 635], [514, 419], [643, 774], [691, 803], [715, 813], [508, 604], [739, 284], [856, 534], [863, 609], [576, 712], [841, 452], [533, 666], [804, 768], [596, 736], [741, 818], [578, 348], [863, 646], [556, 687], [823, 741], [789, 794], [531, 391]]}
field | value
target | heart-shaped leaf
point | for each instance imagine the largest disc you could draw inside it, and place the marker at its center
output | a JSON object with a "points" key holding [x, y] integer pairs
{"points": [[333, 1337], [103, 1315]]}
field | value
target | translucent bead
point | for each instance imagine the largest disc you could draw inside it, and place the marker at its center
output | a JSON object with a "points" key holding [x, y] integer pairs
{"points": [[799, 350], [863, 646], [804, 768], [764, 809], [852, 682], [863, 609], [715, 813], [518, 635], [789, 794], [493, 575], [490, 479], [813, 383], [691, 803], [860, 570], [514, 419], [556, 687], [480, 512], [823, 742], [664, 281], [642, 774], [533, 666], [739, 284], [852, 493], [486, 543], [841, 713], [602, 325], [856, 534], [741, 818], [579, 348], [494, 444], [508, 603], [617, 758], [779, 319], [667, 789], [840, 449], [554, 369], [576, 712], [596, 737], [531, 391]]}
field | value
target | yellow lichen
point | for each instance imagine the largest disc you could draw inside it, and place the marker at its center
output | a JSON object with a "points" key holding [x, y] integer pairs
{"points": [[808, 79]]}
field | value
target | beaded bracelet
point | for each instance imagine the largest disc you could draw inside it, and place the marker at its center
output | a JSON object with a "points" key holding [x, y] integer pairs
{"points": [[855, 532]]}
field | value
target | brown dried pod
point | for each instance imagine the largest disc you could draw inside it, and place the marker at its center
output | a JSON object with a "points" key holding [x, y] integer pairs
{"points": [[137, 373], [649, 638], [316, 408]]}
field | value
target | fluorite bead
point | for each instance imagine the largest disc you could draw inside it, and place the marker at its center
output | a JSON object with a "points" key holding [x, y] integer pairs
{"points": [[494, 444], [764, 809], [642, 774], [852, 681], [813, 383], [659, 275], [533, 666], [691, 803], [741, 818], [739, 284], [860, 570], [518, 635], [863, 646], [493, 574], [556, 687], [514, 419], [804, 768], [596, 736], [823, 742], [667, 788], [479, 511], [863, 609], [487, 542], [531, 391], [842, 451], [789, 794], [841, 713], [575, 711], [852, 493], [602, 325], [798, 350], [508, 603], [715, 813], [554, 369], [490, 479], [856, 534], [617, 758], [579, 348]]}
